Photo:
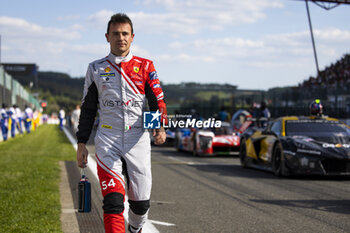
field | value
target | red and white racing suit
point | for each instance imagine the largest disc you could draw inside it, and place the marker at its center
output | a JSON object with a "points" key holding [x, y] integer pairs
{"points": [[117, 87]]}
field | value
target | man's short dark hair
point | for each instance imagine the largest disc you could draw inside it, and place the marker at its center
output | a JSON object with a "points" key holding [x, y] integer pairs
{"points": [[120, 18]]}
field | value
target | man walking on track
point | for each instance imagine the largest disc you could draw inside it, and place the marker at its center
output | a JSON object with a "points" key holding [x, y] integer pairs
{"points": [[117, 87]]}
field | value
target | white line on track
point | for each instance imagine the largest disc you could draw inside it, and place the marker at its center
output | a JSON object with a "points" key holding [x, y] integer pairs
{"points": [[162, 223], [148, 227], [181, 161]]}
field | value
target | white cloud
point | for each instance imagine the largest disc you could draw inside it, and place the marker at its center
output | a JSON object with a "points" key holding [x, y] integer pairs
{"points": [[232, 42], [93, 49], [176, 32], [139, 51], [328, 41], [218, 49], [100, 19], [183, 57], [175, 45], [327, 35], [189, 17], [228, 7], [269, 51], [164, 23], [51, 48], [332, 35], [183, 17], [68, 17], [20, 28]]}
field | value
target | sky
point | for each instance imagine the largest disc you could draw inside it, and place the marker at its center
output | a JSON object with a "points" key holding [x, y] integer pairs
{"points": [[249, 43]]}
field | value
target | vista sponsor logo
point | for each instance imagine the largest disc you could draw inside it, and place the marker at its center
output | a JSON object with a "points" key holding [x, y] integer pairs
{"points": [[118, 103], [327, 145]]}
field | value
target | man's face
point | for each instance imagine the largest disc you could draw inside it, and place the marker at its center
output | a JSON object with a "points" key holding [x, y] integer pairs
{"points": [[120, 38]]}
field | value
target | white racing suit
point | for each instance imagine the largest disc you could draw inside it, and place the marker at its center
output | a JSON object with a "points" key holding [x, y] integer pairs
{"points": [[117, 87]]}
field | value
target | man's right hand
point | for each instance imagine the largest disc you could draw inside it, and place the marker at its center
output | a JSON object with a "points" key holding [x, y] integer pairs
{"points": [[82, 154]]}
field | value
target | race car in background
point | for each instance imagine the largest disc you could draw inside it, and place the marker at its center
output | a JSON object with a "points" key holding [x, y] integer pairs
{"points": [[241, 120], [298, 145], [216, 141]]}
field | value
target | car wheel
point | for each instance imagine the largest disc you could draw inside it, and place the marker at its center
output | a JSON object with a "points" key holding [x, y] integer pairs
{"points": [[243, 153], [278, 160]]}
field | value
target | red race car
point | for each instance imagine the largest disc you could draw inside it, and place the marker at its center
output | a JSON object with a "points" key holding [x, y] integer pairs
{"points": [[208, 141]]}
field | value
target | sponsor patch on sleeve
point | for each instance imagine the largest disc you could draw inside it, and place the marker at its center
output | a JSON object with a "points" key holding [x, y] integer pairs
{"points": [[153, 75], [160, 96]]}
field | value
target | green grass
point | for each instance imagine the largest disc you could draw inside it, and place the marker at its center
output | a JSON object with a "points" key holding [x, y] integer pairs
{"points": [[29, 180]]}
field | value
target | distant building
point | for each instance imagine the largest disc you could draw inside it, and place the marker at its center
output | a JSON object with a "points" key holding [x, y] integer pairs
{"points": [[25, 74]]}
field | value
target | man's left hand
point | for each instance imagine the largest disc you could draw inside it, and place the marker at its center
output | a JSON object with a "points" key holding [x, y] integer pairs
{"points": [[159, 136]]}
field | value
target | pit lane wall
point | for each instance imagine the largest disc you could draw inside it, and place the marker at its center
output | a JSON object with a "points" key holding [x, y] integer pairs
{"points": [[12, 92]]}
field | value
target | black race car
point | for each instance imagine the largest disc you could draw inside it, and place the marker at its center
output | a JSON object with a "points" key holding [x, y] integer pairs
{"points": [[298, 145]]}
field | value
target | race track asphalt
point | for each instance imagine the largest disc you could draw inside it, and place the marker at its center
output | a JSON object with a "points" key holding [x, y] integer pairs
{"points": [[215, 194]]}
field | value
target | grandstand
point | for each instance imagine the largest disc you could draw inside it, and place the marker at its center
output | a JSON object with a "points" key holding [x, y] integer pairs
{"points": [[331, 85], [333, 82], [12, 92], [26, 74]]}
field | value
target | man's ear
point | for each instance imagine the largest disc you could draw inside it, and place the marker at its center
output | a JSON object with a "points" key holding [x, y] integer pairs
{"points": [[107, 37]]}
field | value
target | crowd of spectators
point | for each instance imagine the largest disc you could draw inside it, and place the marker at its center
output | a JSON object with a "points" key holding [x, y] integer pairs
{"points": [[14, 120], [335, 77]]}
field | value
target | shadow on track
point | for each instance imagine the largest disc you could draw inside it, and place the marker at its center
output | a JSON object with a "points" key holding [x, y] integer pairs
{"points": [[237, 170], [234, 170], [336, 206]]}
